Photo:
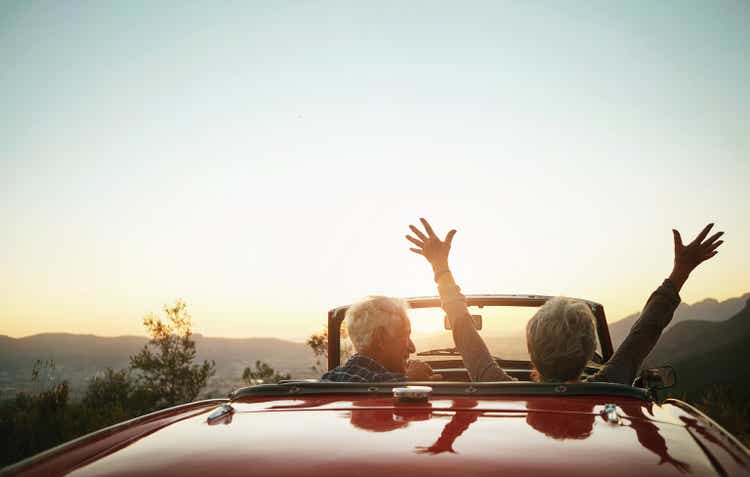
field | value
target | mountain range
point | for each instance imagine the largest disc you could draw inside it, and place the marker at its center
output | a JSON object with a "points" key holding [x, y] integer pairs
{"points": [[709, 310], [706, 353], [77, 358], [705, 343]]}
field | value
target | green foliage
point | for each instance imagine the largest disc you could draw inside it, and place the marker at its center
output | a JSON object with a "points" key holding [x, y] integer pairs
{"points": [[161, 375], [112, 397], [263, 373], [167, 372], [318, 342], [34, 421], [723, 404], [111, 388]]}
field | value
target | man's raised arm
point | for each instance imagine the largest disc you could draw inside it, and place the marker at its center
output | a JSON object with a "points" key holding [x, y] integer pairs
{"points": [[477, 358]]}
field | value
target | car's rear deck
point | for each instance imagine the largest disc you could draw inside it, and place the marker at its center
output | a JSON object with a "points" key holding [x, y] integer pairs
{"points": [[313, 428]]}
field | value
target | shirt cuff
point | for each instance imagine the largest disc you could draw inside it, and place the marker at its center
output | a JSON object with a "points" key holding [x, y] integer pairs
{"points": [[450, 294], [669, 291]]}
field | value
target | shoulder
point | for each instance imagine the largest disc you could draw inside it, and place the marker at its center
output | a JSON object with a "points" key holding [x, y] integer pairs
{"points": [[343, 374]]}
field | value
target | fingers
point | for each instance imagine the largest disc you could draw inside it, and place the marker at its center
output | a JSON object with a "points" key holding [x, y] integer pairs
{"points": [[714, 246], [417, 251], [436, 377], [712, 238], [428, 228], [677, 240], [418, 233], [416, 242], [449, 237], [702, 235], [703, 259]]}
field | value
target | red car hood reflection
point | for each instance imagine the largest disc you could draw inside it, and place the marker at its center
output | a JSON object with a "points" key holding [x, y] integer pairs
{"points": [[373, 436]]}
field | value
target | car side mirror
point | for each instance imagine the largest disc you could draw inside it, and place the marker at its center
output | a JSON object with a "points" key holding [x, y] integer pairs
{"points": [[476, 319], [655, 379]]}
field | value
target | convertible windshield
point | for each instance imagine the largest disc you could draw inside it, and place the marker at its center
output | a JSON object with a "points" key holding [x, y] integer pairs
{"points": [[503, 329]]}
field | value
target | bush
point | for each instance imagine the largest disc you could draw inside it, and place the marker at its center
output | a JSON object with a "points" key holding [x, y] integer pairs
{"points": [[723, 404], [263, 374], [35, 421]]}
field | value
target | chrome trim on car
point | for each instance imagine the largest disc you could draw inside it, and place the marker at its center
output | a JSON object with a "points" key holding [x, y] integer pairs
{"points": [[220, 412], [412, 393]]}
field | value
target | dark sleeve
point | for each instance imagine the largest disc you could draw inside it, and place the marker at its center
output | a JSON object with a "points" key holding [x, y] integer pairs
{"points": [[477, 358], [341, 376], [656, 315], [387, 377]]}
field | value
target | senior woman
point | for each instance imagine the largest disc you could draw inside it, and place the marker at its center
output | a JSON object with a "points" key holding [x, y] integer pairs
{"points": [[560, 337]]}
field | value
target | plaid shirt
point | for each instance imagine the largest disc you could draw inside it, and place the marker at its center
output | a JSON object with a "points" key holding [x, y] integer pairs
{"points": [[361, 369]]}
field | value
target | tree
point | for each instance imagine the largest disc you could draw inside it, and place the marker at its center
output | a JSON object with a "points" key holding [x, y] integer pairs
{"points": [[113, 396], [263, 374], [319, 344], [161, 375], [167, 373], [36, 420], [109, 388], [729, 408]]}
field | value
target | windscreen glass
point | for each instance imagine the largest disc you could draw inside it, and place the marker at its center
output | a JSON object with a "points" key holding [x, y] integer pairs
{"points": [[503, 330]]}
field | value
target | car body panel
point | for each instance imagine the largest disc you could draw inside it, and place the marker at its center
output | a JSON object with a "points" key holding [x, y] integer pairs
{"points": [[65, 457], [725, 451], [448, 435]]}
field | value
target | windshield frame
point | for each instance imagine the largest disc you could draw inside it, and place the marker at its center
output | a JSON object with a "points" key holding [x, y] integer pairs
{"points": [[336, 318]]}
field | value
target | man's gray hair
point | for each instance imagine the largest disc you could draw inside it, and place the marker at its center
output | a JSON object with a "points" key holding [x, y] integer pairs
{"points": [[561, 339], [366, 315]]}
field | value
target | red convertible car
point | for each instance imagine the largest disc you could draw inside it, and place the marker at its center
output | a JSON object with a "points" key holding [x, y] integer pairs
{"points": [[453, 427]]}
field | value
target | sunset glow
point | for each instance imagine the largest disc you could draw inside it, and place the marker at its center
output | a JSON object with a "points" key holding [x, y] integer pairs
{"points": [[263, 161]]}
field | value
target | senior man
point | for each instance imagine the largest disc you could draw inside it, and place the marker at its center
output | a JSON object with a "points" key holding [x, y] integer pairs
{"points": [[380, 331]]}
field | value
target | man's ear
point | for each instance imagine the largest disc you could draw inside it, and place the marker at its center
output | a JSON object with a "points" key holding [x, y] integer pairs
{"points": [[378, 338]]}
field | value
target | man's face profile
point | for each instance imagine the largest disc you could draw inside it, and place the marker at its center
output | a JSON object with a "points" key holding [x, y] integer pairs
{"points": [[395, 346]]}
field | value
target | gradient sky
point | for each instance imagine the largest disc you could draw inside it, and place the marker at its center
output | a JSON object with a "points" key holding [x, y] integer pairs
{"points": [[263, 160]]}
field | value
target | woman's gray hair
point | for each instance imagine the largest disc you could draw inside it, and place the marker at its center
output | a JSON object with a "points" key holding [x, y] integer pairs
{"points": [[366, 315], [561, 339]]}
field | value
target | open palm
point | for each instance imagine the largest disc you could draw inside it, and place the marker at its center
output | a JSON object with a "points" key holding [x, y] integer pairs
{"points": [[428, 245]]}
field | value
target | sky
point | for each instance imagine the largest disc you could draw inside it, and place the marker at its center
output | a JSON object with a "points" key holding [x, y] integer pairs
{"points": [[263, 160]]}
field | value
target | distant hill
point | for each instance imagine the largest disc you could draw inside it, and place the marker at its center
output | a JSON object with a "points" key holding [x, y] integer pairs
{"points": [[705, 353], [705, 343], [706, 310], [79, 357]]}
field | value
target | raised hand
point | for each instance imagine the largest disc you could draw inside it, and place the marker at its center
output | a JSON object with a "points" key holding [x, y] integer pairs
{"points": [[428, 245], [687, 257]]}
